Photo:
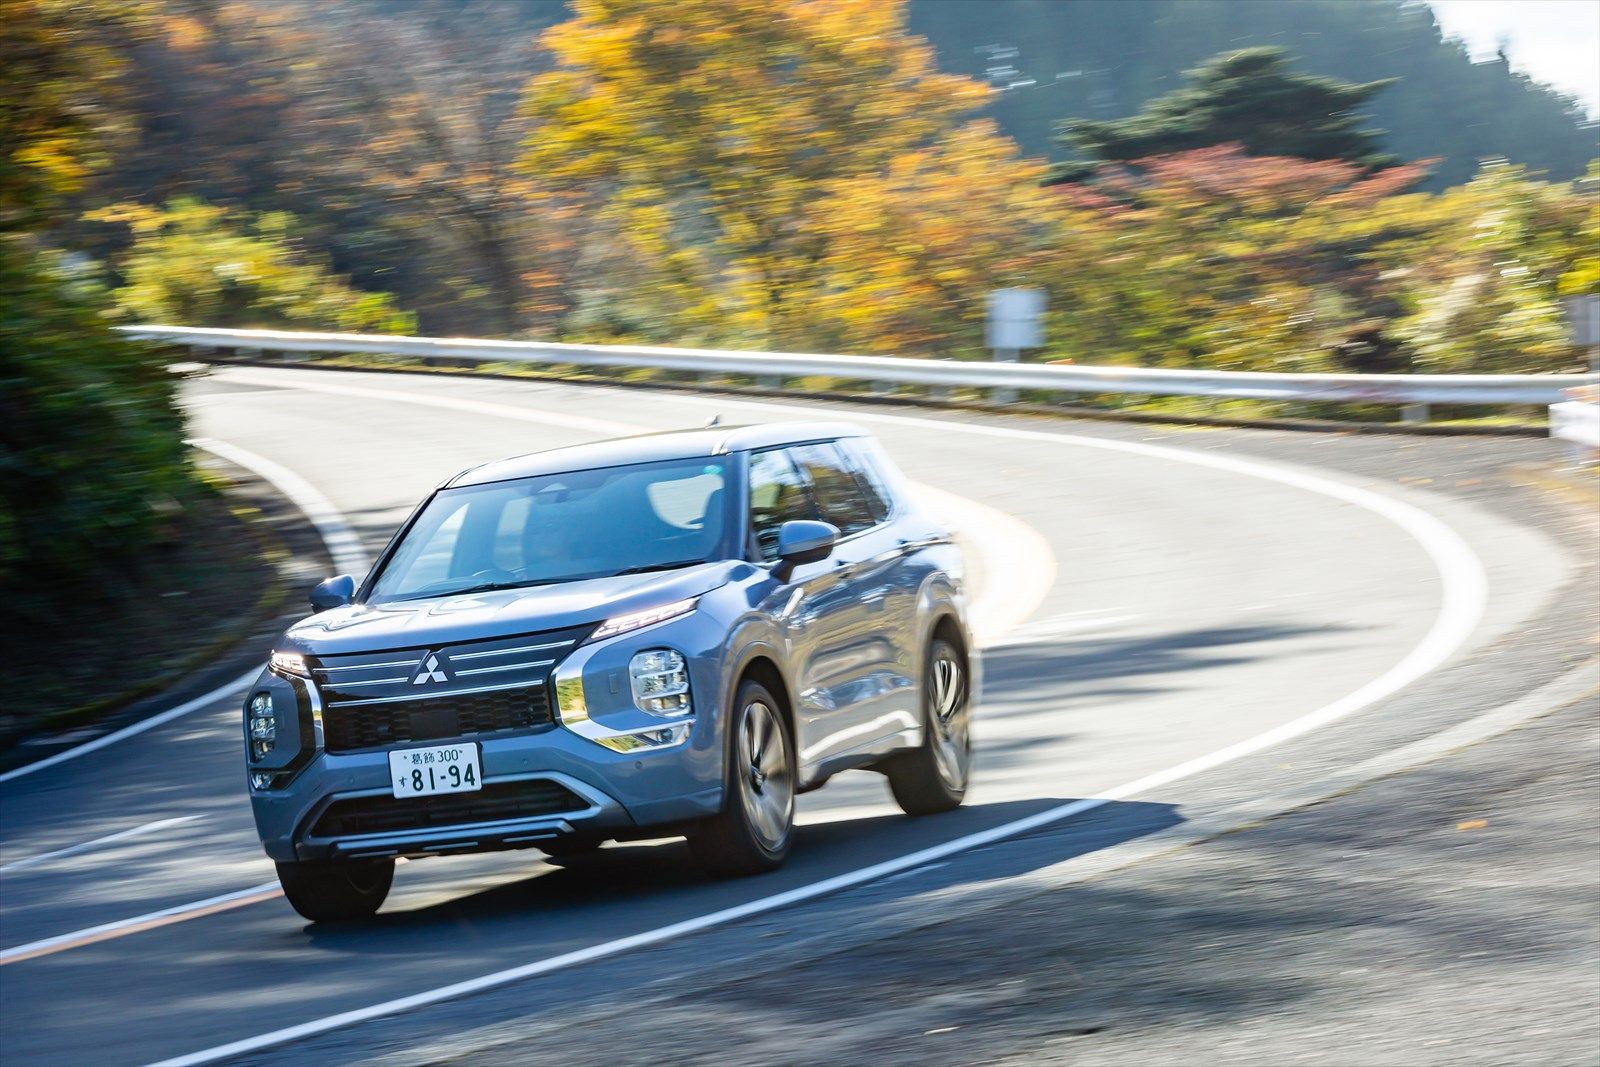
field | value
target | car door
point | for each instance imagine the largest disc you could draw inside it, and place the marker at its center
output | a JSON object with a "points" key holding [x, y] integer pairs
{"points": [[817, 609], [867, 688]]}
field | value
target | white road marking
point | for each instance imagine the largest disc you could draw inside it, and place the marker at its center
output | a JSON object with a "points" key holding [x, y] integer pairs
{"points": [[1463, 592], [221, 692], [86, 846], [1016, 562], [238, 898], [342, 544]]}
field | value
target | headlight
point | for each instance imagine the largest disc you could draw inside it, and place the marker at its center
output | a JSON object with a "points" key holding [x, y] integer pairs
{"points": [[660, 680], [639, 619], [290, 663], [263, 725]]}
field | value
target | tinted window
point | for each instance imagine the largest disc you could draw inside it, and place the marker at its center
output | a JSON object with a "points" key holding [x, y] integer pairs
{"points": [[777, 495], [864, 463], [838, 494], [559, 528]]}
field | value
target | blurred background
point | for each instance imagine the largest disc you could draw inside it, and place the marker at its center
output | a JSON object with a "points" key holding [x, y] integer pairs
{"points": [[1323, 185]]}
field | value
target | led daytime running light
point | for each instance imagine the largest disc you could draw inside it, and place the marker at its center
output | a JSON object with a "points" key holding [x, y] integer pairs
{"points": [[637, 620], [290, 663]]}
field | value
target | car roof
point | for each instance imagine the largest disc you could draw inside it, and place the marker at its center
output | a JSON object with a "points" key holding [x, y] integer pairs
{"points": [[651, 447]]}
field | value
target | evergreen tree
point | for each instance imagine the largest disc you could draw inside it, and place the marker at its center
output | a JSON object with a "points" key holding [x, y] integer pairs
{"points": [[1249, 98]]}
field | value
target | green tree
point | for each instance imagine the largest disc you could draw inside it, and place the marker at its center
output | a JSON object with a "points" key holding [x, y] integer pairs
{"points": [[92, 459], [193, 264], [1249, 98]]}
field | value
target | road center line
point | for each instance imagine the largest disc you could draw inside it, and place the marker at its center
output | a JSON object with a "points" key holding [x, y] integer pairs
{"points": [[148, 921], [1463, 594]]}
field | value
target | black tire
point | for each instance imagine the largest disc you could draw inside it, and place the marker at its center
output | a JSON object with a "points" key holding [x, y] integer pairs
{"points": [[752, 833], [932, 778], [336, 890]]}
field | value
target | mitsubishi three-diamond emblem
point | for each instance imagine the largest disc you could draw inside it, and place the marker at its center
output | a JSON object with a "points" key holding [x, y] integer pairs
{"points": [[429, 669]]}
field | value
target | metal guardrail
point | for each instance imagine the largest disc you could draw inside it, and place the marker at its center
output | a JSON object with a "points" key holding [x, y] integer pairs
{"points": [[1004, 378]]}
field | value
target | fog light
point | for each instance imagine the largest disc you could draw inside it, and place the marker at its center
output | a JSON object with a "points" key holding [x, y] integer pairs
{"points": [[660, 681], [261, 781]]}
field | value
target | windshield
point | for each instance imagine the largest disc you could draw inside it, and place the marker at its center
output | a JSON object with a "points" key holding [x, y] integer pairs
{"points": [[560, 528]]}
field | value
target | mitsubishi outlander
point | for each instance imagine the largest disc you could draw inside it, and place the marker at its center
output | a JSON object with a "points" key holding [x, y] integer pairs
{"points": [[671, 634]]}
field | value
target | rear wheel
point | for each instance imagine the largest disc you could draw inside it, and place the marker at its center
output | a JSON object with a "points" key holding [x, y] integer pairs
{"points": [[331, 890], [752, 832], [932, 777]]}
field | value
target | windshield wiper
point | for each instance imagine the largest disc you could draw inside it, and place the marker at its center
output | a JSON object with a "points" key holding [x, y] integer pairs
{"points": [[659, 567]]}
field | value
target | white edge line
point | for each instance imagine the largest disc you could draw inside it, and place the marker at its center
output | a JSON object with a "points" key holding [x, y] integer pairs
{"points": [[342, 544], [113, 927], [221, 691], [1463, 592], [74, 850]]}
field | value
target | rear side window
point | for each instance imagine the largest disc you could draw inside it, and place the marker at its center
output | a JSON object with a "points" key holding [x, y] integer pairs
{"points": [[859, 454], [777, 494], [839, 495]]}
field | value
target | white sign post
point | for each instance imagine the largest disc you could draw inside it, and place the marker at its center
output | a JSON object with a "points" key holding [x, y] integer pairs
{"points": [[1015, 322], [1583, 319], [1577, 420]]}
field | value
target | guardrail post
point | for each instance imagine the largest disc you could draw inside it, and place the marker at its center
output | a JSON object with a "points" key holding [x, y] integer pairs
{"points": [[1414, 414], [1004, 396]]}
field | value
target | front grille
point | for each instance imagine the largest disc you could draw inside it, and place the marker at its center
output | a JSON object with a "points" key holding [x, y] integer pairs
{"points": [[440, 718], [495, 802], [442, 693]]}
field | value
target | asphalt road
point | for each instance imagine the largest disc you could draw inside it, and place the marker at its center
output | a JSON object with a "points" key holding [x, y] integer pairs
{"points": [[1153, 599]]}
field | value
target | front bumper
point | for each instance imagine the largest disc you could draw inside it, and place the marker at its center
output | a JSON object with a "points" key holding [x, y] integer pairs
{"points": [[609, 791]]}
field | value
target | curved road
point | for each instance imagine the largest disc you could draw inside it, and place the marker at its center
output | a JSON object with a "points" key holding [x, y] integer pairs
{"points": [[1146, 608]]}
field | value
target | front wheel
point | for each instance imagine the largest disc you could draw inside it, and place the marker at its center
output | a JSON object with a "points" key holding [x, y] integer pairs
{"points": [[332, 890], [751, 833], [932, 777]]}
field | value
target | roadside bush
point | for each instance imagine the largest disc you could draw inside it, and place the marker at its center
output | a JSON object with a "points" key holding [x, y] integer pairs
{"points": [[194, 264], [92, 458]]}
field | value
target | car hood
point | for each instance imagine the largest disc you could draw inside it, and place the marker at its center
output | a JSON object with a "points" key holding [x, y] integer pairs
{"points": [[447, 620]]}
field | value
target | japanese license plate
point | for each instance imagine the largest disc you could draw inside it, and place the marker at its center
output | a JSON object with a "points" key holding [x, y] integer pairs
{"points": [[422, 772]]}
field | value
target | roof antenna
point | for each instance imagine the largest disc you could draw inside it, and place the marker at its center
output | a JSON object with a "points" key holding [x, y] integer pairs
{"points": [[715, 420]]}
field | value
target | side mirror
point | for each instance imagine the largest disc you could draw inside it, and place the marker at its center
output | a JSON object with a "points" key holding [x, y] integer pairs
{"points": [[333, 593], [802, 541]]}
